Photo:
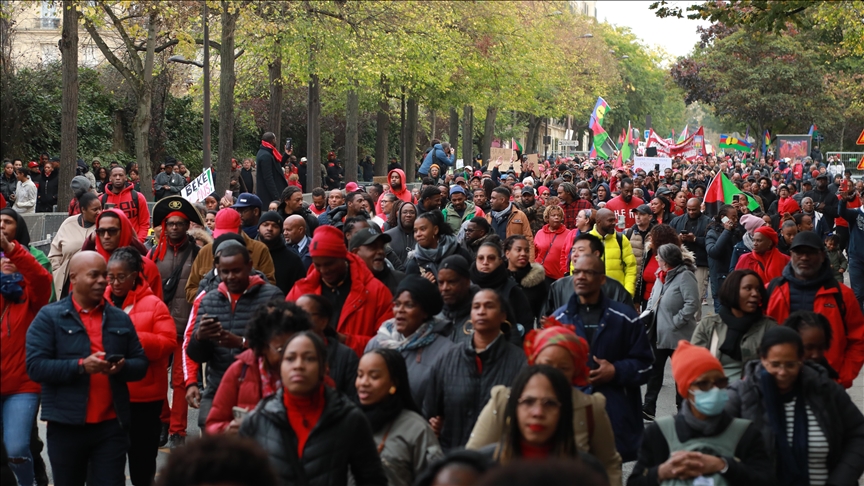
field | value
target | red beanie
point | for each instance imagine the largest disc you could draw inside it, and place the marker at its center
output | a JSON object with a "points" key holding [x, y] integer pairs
{"points": [[328, 242], [769, 233], [689, 362], [788, 205]]}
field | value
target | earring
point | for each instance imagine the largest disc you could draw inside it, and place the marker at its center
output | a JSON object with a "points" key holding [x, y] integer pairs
{"points": [[392, 390]]}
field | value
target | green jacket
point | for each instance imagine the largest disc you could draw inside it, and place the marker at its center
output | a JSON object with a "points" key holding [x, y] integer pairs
{"points": [[452, 216], [710, 333]]}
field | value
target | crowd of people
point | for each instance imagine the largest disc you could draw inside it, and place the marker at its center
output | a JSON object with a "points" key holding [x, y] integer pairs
{"points": [[478, 326]]}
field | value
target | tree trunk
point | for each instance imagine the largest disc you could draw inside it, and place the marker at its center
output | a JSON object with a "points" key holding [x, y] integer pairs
{"points": [[275, 111], [313, 134], [468, 134], [402, 144], [531, 139], [69, 111], [353, 113], [227, 80], [382, 138], [412, 112], [432, 125], [489, 131], [453, 136], [143, 116]]}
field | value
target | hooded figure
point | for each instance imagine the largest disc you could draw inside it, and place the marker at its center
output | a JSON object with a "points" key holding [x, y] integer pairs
{"points": [[402, 193]]}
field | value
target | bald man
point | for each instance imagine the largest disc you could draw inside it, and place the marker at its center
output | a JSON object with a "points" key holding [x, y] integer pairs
{"points": [[335, 198], [83, 351], [621, 355], [618, 253], [294, 231], [692, 226]]}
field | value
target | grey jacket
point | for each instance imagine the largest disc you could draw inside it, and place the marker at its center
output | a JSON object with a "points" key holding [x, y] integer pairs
{"points": [[676, 310], [711, 334], [410, 447]]}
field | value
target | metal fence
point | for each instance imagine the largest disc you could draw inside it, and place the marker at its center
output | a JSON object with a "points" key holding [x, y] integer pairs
{"points": [[849, 159]]}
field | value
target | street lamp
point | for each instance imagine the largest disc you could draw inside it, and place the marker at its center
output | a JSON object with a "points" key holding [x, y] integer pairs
{"points": [[586, 36], [183, 60]]}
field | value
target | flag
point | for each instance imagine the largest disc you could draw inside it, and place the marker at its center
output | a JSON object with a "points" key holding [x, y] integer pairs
{"points": [[730, 142], [720, 191], [626, 149], [621, 137], [812, 129], [766, 141], [603, 146], [684, 134], [515, 145], [599, 112]]}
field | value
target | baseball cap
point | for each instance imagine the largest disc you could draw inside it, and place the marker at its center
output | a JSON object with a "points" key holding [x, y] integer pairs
{"points": [[822, 176], [807, 239], [528, 190], [367, 236], [227, 221], [247, 200], [33, 164], [643, 208], [303, 159]]}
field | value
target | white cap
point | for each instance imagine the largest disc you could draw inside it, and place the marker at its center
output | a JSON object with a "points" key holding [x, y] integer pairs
{"points": [[303, 159]]}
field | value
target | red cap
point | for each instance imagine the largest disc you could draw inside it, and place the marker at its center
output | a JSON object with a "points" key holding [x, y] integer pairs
{"points": [[351, 187], [227, 221], [32, 164], [815, 173], [328, 242]]}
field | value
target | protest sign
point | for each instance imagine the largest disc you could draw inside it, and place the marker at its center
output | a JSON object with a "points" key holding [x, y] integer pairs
{"points": [[692, 147], [200, 188], [795, 147], [506, 155], [650, 163]]}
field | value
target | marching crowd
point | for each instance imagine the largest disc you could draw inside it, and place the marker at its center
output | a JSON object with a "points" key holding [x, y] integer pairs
{"points": [[487, 326]]}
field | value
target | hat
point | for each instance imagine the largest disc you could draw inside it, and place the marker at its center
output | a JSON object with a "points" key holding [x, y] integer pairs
{"points": [[814, 174], [424, 293], [96, 160], [642, 208], [542, 190], [528, 190], [455, 189], [79, 185], [788, 205], [539, 339], [351, 187], [689, 362], [227, 221], [32, 164], [529, 181], [807, 239], [821, 176], [750, 222], [457, 263], [328, 242], [303, 159], [367, 236], [175, 204], [769, 233], [227, 240], [247, 200], [271, 216], [170, 163], [505, 177], [477, 173], [434, 166]]}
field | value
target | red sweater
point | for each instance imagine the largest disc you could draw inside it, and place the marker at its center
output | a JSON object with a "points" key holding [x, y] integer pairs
{"points": [[303, 414], [16, 319], [100, 399]]}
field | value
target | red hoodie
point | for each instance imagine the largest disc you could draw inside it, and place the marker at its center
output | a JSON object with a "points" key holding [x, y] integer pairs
{"points": [[138, 214], [403, 194], [368, 305], [16, 319], [151, 271], [158, 336]]}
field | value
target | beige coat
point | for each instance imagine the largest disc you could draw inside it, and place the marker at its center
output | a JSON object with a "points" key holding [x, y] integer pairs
{"points": [[490, 425], [66, 243], [261, 261]]}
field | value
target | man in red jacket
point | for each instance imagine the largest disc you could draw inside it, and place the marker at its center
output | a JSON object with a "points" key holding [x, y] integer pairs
{"points": [[119, 192], [362, 303], [808, 283]]}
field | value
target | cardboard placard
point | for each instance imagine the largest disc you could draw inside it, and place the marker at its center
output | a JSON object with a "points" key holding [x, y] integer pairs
{"points": [[201, 187], [650, 163], [380, 180], [505, 153]]}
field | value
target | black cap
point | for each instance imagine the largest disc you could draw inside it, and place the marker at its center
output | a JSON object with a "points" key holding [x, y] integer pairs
{"points": [[807, 239], [458, 264], [367, 236], [271, 216], [528, 190], [822, 176], [642, 208]]}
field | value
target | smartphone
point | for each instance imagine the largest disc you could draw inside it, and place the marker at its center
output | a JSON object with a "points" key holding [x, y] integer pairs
{"points": [[113, 358], [288, 145], [725, 219], [229, 194], [239, 412], [685, 232]]}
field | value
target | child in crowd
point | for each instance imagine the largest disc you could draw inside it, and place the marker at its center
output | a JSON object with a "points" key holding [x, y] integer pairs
{"points": [[835, 256]]}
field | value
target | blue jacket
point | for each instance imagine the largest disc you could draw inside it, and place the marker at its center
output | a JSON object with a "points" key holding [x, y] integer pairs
{"points": [[855, 218], [437, 156], [620, 339], [57, 339]]}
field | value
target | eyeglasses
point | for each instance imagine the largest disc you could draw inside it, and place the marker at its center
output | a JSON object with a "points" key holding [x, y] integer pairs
{"points": [[119, 278], [547, 404], [108, 231], [706, 385]]}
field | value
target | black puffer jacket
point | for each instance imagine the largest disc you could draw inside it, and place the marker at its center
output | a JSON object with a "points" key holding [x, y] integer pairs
{"points": [[533, 285], [341, 440], [562, 289], [217, 303], [343, 362], [458, 391], [839, 418], [456, 317]]}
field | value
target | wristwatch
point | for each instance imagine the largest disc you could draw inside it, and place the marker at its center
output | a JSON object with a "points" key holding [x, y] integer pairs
{"points": [[725, 466]]}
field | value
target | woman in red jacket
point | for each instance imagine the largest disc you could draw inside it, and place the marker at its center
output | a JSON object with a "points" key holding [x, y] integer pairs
{"points": [[552, 244], [256, 373], [765, 259], [128, 290], [25, 287]]}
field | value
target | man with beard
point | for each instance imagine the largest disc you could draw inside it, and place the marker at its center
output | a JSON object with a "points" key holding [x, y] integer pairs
{"points": [[808, 283], [430, 199], [292, 203], [765, 193], [825, 201], [335, 198], [454, 284], [288, 265], [571, 203], [625, 203], [506, 219], [459, 209], [120, 193], [532, 209], [480, 200], [371, 247], [477, 232], [250, 207]]}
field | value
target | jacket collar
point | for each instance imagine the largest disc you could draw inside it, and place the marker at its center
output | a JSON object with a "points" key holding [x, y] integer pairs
{"points": [[254, 282]]}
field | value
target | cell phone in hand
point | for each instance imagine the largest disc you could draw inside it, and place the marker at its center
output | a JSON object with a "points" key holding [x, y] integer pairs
{"points": [[239, 412], [725, 219], [113, 358]]}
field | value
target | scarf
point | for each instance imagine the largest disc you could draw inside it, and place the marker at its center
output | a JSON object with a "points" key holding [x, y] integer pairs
{"points": [[383, 412], [792, 465], [521, 273], [390, 338], [534, 452], [771, 263], [502, 215], [276, 154], [748, 241], [736, 327], [303, 414], [493, 280], [269, 384], [162, 247], [709, 427], [10, 286], [446, 246]]}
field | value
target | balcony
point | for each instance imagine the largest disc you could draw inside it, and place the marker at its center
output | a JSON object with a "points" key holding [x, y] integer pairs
{"points": [[46, 23]]}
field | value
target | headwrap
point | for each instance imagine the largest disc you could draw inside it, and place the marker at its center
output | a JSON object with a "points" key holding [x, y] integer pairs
{"points": [[559, 335], [126, 233], [769, 233], [328, 242], [276, 154], [162, 246], [788, 205]]}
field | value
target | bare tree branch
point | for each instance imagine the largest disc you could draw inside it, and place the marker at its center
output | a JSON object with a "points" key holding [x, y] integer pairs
{"points": [[109, 54], [130, 46]]}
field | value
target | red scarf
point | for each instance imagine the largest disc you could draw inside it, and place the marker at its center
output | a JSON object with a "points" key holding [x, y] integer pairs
{"points": [[303, 414], [269, 384], [771, 264], [533, 452], [661, 276], [276, 154], [162, 247]]}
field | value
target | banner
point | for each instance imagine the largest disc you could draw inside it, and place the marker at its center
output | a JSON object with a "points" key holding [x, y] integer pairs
{"points": [[200, 188], [650, 163], [796, 147], [692, 147]]}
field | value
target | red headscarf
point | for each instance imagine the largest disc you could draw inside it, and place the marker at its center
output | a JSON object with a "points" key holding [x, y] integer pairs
{"points": [[556, 334], [162, 247], [126, 232]]}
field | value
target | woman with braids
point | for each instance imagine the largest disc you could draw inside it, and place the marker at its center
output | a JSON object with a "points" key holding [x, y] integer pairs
{"points": [[530, 276], [157, 332], [435, 242], [255, 374], [406, 443]]}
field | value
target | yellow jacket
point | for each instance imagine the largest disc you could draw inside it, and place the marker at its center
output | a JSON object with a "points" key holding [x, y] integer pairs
{"points": [[620, 267]]}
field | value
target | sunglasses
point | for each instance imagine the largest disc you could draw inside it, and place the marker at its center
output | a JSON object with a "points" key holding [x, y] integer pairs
{"points": [[108, 231]]}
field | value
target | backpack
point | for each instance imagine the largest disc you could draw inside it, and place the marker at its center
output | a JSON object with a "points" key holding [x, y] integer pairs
{"points": [[841, 304], [134, 194]]}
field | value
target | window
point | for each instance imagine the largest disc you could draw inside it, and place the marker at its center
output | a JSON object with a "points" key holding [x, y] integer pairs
{"points": [[50, 16]]}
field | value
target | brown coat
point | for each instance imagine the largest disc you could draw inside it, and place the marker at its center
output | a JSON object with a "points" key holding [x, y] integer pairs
{"points": [[518, 224], [179, 307], [261, 261], [601, 444]]}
